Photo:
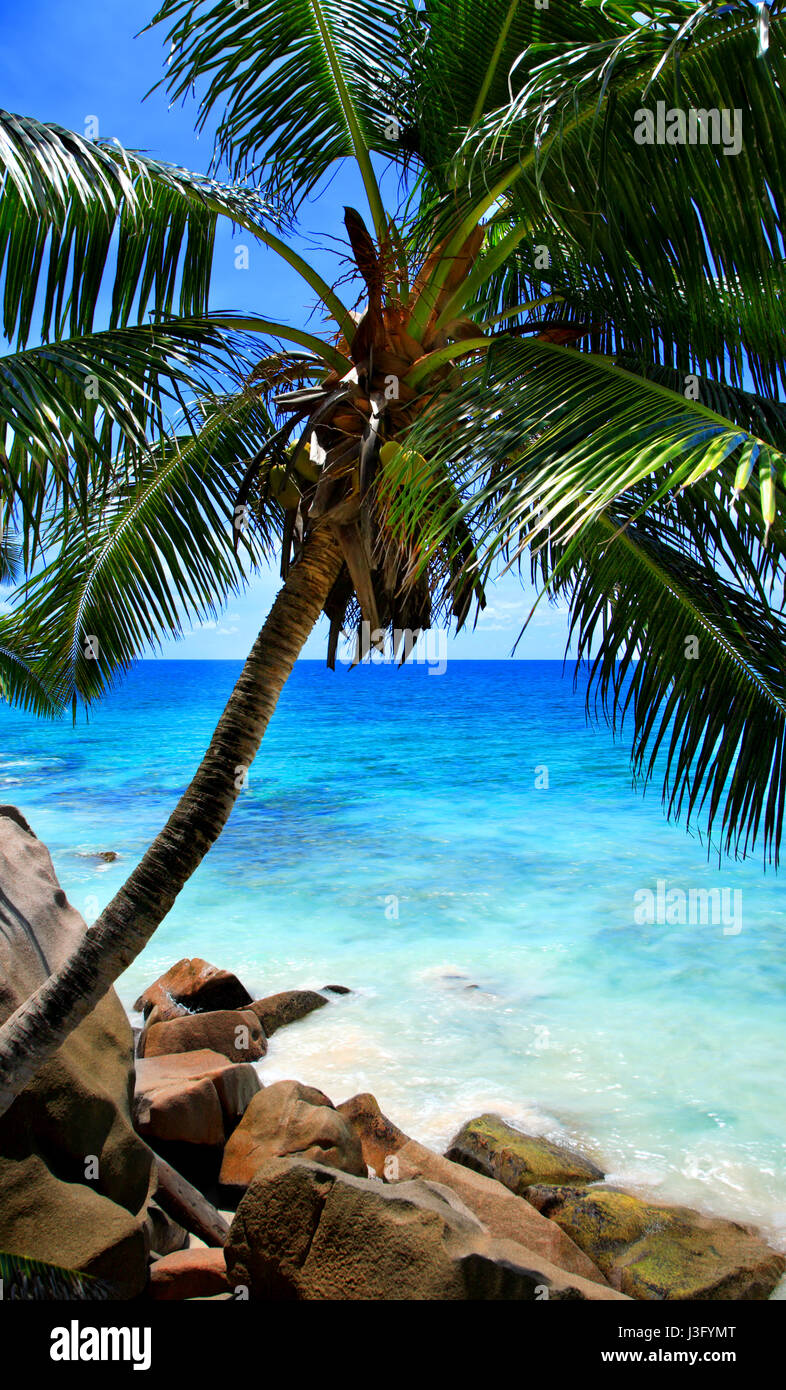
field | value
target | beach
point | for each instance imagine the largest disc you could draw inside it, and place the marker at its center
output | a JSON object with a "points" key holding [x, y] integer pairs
{"points": [[399, 836]]}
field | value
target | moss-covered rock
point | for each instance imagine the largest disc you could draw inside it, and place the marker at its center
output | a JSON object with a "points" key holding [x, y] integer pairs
{"points": [[659, 1252], [391, 1154], [490, 1146]]}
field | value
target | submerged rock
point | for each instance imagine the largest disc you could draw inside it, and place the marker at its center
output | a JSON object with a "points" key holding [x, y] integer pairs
{"points": [[236, 1033], [491, 1146], [455, 979], [75, 1179], [280, 1009], [660, 1252], [287, 1119], [306, 1231], [393, 1155], [197, 987]]}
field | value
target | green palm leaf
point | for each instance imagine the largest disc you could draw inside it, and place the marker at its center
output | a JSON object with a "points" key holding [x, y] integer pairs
{"points": [[623, 492], [297, 85], [461, 56], [165, 548], [73, 413], [650, 221], [723, 333], [26, 1280], [10, 558], [541, 439], [759, 414], [78, 218], [21, 681], [698, 662]]}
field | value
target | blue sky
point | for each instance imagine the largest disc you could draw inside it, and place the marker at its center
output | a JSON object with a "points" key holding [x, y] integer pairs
{"points": [[70, 61]]}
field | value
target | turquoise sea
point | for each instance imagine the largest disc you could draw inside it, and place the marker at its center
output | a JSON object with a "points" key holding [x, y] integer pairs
{"points": [[397, 836]]}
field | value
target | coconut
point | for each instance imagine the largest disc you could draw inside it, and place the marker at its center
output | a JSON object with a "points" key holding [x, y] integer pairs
{"points": [[416, 465], [283, 487], [304, 465]]}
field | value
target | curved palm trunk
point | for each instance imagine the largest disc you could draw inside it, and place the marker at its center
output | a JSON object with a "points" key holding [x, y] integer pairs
{"points": [[41, 1024]]}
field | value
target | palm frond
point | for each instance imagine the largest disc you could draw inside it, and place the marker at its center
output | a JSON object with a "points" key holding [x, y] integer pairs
{"points": [[698, 664], [82, 219], [540, 439], [165, 548], [709, 331], [759, 414], [460, 63], [660, 222], [22, 682], [296, 85], [26, 1280], [10, 558], [73, 413], [623, 492]]}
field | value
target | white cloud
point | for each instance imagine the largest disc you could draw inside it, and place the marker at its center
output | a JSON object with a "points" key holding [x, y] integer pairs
{"points": [[212, 626]]}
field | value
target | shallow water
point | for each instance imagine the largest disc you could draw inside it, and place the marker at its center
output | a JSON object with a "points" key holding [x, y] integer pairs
{"points": [[392, 838]]}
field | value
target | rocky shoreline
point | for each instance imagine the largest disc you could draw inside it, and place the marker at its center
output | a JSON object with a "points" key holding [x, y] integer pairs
{"points": [[161, 1167], [334, 1201]]}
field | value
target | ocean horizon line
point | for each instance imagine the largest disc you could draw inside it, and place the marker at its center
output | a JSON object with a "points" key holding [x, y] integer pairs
{"points": [[320, 661]]}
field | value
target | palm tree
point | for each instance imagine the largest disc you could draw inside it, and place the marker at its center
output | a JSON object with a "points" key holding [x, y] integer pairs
{"points": [[569, 348]]}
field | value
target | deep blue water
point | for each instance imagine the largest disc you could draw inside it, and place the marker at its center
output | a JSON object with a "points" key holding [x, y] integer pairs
{"points": [[396, 837]]}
